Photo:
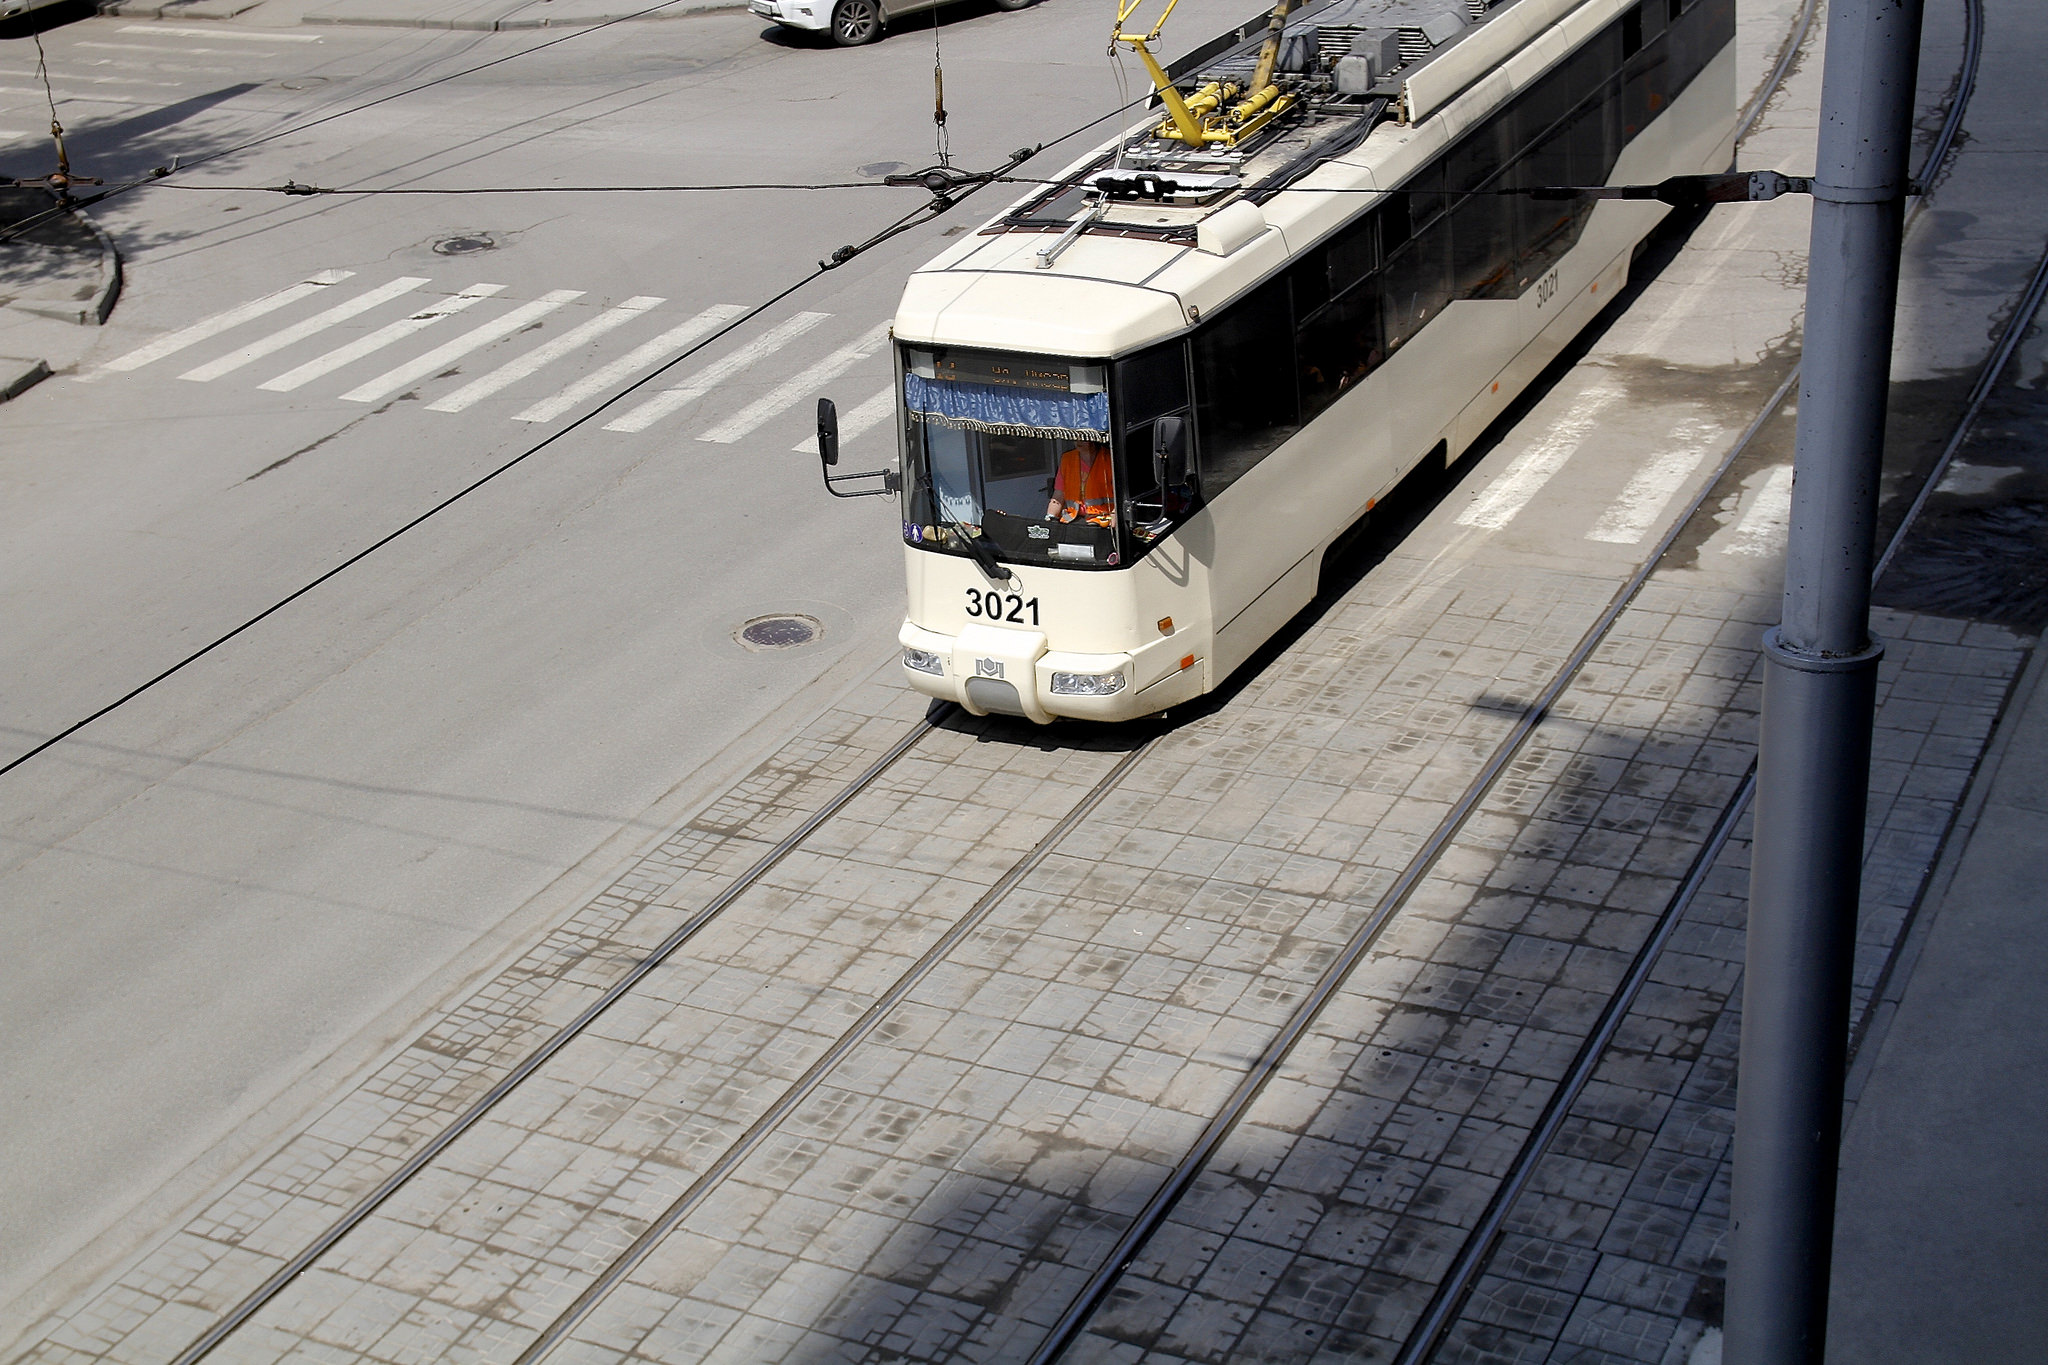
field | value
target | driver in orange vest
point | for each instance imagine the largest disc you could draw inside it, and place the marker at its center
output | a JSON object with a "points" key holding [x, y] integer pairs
{"points": [[1082, 488]]}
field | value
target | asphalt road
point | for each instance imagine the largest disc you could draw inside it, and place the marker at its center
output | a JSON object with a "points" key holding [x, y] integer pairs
{"points": [[235, 893], [243, 884]]}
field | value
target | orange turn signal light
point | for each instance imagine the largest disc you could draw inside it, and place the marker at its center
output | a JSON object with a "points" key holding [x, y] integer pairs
{"points": [[1187, 662], [1166, 625]]}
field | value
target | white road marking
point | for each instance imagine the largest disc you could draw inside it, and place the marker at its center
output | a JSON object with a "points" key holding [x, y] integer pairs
{"points": [[1500, 500], [379, 339], [796, 389], [299, 331], [154, 47], [391, 381], [1735, 232], [173, 31], [220, 322], [711, 376], [871, 413], [73, 99], [74, 78], [1630, 516], [637, 359], [1763, 527], [547, 354]]}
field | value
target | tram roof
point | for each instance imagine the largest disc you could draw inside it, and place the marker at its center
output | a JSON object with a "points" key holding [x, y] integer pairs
{"points": [[1127, 281]]}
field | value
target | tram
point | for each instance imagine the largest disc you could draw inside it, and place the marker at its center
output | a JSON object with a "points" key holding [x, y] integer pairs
{"points": [[1139, 407]]}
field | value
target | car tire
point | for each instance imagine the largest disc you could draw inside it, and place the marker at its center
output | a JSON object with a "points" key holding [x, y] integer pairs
{"points": [[1015, 4], [855, 22]]}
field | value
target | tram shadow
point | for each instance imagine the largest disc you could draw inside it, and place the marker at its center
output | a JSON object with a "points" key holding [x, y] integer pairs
{"points": [[1348, 1184]]}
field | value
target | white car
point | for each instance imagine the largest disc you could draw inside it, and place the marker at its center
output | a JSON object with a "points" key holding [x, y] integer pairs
{"points": [[851, 22]]}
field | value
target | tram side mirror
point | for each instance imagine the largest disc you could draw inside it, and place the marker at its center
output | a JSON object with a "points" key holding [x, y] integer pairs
{"points": [[1170, 452], [828, 432]]}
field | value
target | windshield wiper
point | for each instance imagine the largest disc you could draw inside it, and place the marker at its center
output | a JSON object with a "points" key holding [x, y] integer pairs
{"points": [[983, 550]]}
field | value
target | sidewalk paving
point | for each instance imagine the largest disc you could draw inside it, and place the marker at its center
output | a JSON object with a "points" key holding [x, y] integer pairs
{"points": [[1939, 1254]]}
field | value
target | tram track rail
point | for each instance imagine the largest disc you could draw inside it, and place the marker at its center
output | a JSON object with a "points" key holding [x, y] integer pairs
{"points": [[1478, 1248], [1456, 1286], [1074, 1320]]}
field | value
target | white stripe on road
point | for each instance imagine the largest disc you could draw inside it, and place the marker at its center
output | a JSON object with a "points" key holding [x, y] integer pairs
{"points": [[711, 376], [171, 30], [155, 47], [1500, 500], [75, 78], [1763, 527], [1629, 517], [220, 322], [391, 381], [379, 339], [868, 414], [299, 331], [514, 371], [637, 359], [796, 389]]}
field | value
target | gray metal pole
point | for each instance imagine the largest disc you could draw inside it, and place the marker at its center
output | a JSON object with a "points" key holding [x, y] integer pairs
{"points": [[1819, 694]]}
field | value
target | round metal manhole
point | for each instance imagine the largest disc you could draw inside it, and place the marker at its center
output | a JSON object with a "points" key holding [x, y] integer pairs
{"points": [[301, 83], [465, 244], [779, 632]]}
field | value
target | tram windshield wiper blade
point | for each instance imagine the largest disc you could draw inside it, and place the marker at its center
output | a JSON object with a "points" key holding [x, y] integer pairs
{"points": [[983, 550]]}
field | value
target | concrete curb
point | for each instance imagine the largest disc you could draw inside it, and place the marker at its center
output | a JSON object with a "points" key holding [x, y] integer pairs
{"points": [[109, 292], [18, 376], [89, 306]]}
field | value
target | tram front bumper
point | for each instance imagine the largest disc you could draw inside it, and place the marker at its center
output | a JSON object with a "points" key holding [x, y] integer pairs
{"points": [[986, 669]]}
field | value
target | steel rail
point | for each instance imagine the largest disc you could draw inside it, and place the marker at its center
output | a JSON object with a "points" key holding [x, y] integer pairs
{"points": [[1071, 1323], [1477, 1250], [225, 1326], [1181, 1178], [805, 1085]]}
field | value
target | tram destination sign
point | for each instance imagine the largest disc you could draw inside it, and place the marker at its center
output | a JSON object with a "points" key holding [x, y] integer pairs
{"points": [[1003, 371]]}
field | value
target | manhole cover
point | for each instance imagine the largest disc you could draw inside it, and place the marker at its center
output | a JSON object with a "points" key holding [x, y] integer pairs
{"points": [[462, 246], [779, 632], [302, 83]]}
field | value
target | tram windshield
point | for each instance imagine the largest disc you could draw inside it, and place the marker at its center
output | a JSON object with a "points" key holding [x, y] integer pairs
{"points": [[1011, 453]]}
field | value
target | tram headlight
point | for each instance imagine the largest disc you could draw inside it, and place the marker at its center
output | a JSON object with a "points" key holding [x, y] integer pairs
{"points": [[1087, 684], [924, 661]]}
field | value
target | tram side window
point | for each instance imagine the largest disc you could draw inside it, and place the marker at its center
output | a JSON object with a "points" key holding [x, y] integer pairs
{"points": [[1340, 346], [1416, 282], [1151, 385], [1244, 382], [1483, 245]]}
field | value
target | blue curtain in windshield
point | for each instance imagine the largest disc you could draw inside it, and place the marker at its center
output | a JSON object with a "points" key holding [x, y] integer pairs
{"points": [[1007, 411]]}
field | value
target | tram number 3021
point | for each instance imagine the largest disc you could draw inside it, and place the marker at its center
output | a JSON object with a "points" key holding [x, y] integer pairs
{"points": [[1001, 606]]}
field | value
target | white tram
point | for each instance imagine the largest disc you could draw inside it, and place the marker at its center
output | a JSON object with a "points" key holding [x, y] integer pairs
{"points": [[1262, 338]]}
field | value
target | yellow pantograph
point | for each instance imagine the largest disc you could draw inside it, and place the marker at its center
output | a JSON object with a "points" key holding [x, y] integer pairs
{"points": [[1215, 115]]}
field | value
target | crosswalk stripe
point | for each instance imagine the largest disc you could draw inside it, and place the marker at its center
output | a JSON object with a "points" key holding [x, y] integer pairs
{"points": [[160, 48], [220, 322], [75, 78], [299, 331], [635, 360], [794, 390], [711, 376], [1507, 495], [379, 339], [1762, 528], [1631, 515], [172, 31], [391, 381], [871, 413], [546, 354]]}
